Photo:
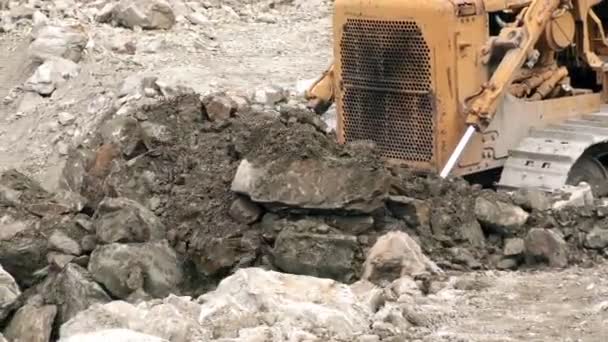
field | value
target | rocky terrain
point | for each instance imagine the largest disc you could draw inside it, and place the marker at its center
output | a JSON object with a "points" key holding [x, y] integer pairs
{"points": [[163, 181]]}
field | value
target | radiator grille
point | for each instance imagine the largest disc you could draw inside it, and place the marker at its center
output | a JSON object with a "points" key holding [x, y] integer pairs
{"points": [[386, 80]]}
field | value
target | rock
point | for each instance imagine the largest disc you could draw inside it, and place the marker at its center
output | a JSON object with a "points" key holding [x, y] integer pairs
{"points": [[597, 238], [155, 134], [369, 294], [147, 14], [414, 212], [134, 85], [532, 199], [9, 292], [197, 18], [245, 211], [58, 41], [59, 261], [66, 118], [507, 264], [88, 243], [269, 95], [292, 302], [23, 249], [29, 101], [115, 335], [174, 319], [396, 255], [51, 75], [32, 323], [219, 107], [73, 290], [500, 217], [123, 45], [546, 245], [320, 255], [106, 13], [464, 257], [125, 268], [123, 132], [353, 225], [314, 184], [472, 233], [22, 12], [124, 220], [513, 247], [577, 196], [39, 19], [63, 243]]}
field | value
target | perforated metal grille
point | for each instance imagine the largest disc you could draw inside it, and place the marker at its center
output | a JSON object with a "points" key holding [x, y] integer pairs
{"points": [[386, 80]]}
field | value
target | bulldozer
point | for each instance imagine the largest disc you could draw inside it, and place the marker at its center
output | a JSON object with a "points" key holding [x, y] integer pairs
{"points": [[465, 87]]}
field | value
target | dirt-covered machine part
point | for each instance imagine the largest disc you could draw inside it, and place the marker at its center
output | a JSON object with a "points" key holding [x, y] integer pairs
{"points": [[528, 75]]}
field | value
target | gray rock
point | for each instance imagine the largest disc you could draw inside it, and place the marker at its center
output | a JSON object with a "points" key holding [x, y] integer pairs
{"points": [[576, 196], [155, 134], [532, 199], [59, 260], [31, 323], [125, 268], [58, 41], [464, 257], [23, 250], [116, 335], [513, 247], [472, 233], [500, 217], [245, 211], [73, 290], [321, 255], [414, 212], [314, 184], [198, 18], [106, 13], [597, 238], [507, 264], [9, 292], [29, 101], [396, 255], [52, 74], [124, 220], [124, 132], [219, 107], [147, 14], [269, 95], [66, 118], [60, 242], [547, 246], [352, 225]]}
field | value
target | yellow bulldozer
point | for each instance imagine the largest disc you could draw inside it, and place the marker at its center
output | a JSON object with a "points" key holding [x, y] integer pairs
{"points": [[460, 87]]}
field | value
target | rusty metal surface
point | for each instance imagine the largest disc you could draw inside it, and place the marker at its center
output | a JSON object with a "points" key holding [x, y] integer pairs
{"points": [[544, 158]]}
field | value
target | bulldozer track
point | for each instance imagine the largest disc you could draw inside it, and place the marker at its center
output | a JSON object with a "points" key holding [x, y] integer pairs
{"points": [[544, 159]]}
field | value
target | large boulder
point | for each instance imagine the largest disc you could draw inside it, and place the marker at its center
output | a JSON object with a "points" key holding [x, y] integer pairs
{"points": [[72, 291], [396, 255], [321, 255], [314, 184], [9, 292], [32, 322], [124, 220], [288, 303], [500, 217], [126, 268], [173, 319], [58, 41], [147, 14], [547, 246]]}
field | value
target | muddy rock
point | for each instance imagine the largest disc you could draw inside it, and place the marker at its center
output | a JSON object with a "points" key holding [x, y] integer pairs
{"points": [[173, 318], [125, 268], [597, 238], [314, 184], [396, 255], [52, 74], [321, 255], [124, 220], [117, 335], [245, 211], [58, 41], [9, 292], [289, 303], [500, 217], [147, 14], [219, 107], [546, 245], [60, 242], [73, 290], [32, 322]]}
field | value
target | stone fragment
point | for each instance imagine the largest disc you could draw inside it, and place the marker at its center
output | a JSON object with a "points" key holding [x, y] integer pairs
{"points": [[31, 323], [577, 196], [60, 242], [269, 95], [52, 41], [124, 220], [125, 268], [532, 199], [500, 217], [597, 238], [9, 292], [547, 246], [472, 233], [147, 14], [396, 255], [124, 132], [513, 247], [66, 118], [219, 107], [245, 211], [52, 74]]}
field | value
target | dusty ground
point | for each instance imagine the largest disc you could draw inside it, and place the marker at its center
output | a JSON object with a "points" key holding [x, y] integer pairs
{"points": [[569, 305]]}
